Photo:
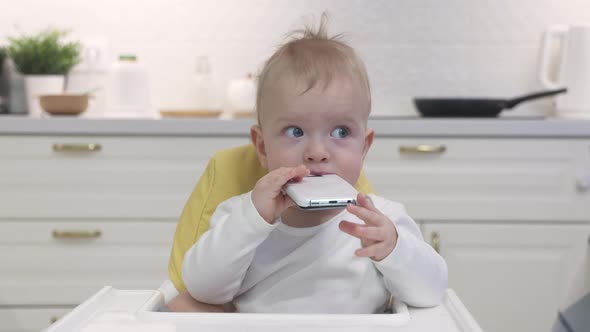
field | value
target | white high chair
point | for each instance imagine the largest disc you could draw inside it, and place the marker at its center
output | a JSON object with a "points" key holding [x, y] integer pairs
{"points": [[229, 173]]}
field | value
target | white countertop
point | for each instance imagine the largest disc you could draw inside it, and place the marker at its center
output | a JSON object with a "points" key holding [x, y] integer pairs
{"points": [[390, 127]]}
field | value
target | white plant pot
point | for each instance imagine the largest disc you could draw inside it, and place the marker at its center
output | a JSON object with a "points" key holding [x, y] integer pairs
{"points": [[36, 85]]}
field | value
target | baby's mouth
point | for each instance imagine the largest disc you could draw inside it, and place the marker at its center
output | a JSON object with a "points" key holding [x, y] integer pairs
{"points": [[318, 173]]}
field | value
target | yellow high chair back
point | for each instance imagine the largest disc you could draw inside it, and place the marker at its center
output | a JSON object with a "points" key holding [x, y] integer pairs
{"points": [[229, 173]]}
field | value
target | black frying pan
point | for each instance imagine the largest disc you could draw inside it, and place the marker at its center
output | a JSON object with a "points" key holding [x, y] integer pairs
{"points": [[473, 107]]}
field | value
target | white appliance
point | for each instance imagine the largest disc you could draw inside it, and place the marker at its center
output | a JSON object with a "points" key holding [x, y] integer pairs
{"points": [[571, 63]]}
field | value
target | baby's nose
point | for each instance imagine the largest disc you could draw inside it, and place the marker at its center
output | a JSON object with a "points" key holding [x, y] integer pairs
{"points": [[316, 152]]}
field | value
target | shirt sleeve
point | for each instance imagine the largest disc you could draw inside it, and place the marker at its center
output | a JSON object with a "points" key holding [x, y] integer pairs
{"points": [[414, 272], [215, 266]]}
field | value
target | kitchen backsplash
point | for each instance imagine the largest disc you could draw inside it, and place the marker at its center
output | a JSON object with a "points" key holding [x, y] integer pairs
{"points": [[411, 47]]}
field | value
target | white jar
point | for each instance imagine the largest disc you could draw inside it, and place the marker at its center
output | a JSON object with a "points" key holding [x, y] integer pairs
{"points": [[129, 95], [204, 90], [241, 97]]}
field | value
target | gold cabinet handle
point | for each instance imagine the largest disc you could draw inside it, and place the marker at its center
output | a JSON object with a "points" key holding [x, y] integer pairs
{"points": [[422, 148], [76, 234], [53, 319], [435, 241], [77, 147]]}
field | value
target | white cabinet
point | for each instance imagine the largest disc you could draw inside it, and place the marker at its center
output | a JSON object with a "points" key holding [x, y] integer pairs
{"points": [[29, 319], [63, 263], [508, 215], [81, 212], [511, 277]]}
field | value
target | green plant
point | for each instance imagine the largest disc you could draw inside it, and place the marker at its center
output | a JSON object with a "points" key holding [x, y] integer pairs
{"points": [[44, 53]]}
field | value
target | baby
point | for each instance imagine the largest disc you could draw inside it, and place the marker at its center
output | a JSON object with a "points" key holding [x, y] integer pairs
{"points": [[262, 253]]}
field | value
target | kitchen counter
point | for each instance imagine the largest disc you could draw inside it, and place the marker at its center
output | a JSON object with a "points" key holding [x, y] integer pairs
{"points": [[385, 127]]}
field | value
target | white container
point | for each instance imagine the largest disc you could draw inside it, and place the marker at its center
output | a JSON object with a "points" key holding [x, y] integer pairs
{"points": [[204, 90], [241, 97], [573, 67], [129, 96], [37, 85]]}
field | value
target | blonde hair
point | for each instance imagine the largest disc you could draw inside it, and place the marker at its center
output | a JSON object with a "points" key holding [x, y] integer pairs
{"points": [[314, 58]]}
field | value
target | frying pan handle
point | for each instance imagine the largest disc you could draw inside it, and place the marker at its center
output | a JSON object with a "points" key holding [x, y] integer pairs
{"points": [[515, 101]]}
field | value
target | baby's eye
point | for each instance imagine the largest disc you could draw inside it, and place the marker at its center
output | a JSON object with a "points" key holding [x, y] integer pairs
{"points": [[340, 132], [294, 131]]}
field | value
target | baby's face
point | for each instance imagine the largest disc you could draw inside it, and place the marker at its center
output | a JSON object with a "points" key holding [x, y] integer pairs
{"points": [[324, 128]]}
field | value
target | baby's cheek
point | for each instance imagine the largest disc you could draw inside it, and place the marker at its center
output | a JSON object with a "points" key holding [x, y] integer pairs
{"points": [[352, 171], [284, 161]]}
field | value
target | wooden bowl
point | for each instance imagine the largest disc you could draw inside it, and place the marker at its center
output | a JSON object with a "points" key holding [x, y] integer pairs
{"points": [[64, 104]]}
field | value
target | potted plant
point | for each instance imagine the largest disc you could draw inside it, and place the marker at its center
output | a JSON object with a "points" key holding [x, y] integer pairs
{"points": [[44, 59]]}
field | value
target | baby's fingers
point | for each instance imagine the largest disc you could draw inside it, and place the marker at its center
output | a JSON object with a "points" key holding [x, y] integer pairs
{"points": [[366, 211], [286, 174], [299, 172], [267, 196], [279, 177], [376, 251], [366, 202], [362, 232]]}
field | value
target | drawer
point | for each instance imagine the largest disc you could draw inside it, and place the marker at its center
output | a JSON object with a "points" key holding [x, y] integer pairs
{"points": [[128, 177], [63, 263], [485, 179], [32, 319], [113, 147]]}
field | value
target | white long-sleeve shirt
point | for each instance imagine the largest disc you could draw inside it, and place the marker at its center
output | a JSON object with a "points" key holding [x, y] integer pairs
{"points": [[276, 268]]}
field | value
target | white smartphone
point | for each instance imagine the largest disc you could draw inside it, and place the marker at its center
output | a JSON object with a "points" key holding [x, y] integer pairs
{"points": [[320, 192]]}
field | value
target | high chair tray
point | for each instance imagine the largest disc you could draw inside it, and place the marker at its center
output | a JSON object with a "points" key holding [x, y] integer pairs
{"points": [[115, 310]]}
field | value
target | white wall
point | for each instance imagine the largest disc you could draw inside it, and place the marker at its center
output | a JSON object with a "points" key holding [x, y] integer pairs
{"points": [[411, 47]]}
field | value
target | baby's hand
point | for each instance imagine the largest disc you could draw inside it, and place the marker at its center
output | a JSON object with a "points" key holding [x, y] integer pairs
{"points": [[267, 196], [378, 236]]}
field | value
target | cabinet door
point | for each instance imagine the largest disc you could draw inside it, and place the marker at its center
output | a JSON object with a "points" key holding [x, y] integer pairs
{"points": [[63, 263], [510, 277], [29, 319]]}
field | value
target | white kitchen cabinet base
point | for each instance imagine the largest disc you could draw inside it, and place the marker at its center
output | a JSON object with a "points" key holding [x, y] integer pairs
{"points": [[30, 318], [529, 264], [133, 310]]}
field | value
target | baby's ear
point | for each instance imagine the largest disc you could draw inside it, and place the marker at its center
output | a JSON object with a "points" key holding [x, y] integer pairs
{"points": [[258, 141], [369, 135]]}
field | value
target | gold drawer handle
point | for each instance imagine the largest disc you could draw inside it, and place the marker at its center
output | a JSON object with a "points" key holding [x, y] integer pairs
{"points": [[77, 234], [422, 148], [435, 241], [84, 147]]}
